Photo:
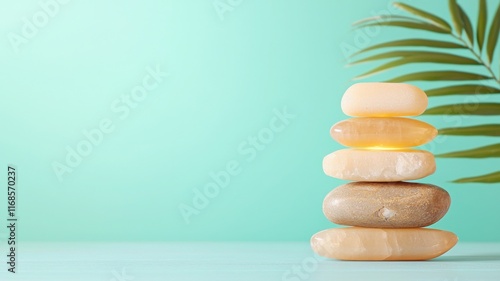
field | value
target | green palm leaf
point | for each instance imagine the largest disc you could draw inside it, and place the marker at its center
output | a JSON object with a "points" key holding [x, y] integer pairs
{"points": [[412, 43], [481, 23], [439, 76], [381, 68], [384, 18], [465, 109], [488, 178], [480, 152], [455, 16], [435, 20], [469, 89], [389, 55], [493, 35], [467, 25], [411, 59], [442, 52], [422, 56], [408, 24], [479, 130]]}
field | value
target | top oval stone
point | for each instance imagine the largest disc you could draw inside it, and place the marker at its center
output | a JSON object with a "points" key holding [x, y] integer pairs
{"points": [[383, 100]]}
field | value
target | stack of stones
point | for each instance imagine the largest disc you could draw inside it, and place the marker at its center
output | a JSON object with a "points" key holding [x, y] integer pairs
{"points": [[386, 214]]}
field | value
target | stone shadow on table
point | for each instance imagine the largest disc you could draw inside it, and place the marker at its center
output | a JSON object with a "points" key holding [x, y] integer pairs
{"points": [[479, 257]]}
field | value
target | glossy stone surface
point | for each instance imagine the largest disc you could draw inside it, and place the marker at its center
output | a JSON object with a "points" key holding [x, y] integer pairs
{"points": [[379, 165], [383, 99], [395, 132], [356, 243], [386, 204]]}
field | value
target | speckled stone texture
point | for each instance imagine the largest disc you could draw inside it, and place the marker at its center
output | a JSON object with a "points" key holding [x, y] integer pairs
{"points": [[356, 243], [386, 204]]}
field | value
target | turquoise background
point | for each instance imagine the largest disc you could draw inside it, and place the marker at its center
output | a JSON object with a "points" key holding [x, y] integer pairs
{"points": [[226, 79]]}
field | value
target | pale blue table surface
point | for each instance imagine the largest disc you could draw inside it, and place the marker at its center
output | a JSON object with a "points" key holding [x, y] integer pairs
{"points": [[237, 261]]}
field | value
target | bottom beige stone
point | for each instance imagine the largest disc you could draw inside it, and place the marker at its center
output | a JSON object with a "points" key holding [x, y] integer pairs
{"points": [[357, 243]]}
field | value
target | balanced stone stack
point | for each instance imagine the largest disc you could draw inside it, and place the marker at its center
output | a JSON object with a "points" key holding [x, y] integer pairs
{"points": [[386, 214]]}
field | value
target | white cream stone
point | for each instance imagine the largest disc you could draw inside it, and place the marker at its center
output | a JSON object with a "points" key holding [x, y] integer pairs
{"points": [[383, 100], [379, 165]]}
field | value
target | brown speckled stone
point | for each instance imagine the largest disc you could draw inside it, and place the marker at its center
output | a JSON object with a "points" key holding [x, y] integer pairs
{"points": [[386, 204]]}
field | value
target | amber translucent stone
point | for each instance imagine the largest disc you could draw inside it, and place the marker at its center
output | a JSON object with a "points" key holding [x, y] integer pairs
{"points": [[395, 132], [356, 243]]}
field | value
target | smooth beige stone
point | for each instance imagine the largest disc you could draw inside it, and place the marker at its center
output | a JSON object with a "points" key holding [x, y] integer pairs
{"points": [[395, 132], [356, 243], [383, 99], [379, 165], [386, 204]]}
